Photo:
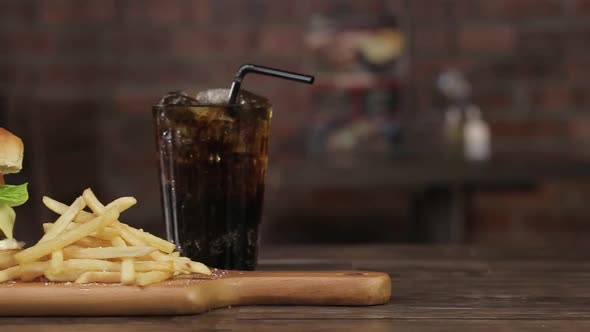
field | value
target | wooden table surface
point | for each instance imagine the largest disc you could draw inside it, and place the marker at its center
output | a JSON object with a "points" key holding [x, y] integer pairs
{"points": [[434, 289]]}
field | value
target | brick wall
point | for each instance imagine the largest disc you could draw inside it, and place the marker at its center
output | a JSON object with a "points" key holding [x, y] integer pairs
{"points": [[528, 61], [77, 80]]}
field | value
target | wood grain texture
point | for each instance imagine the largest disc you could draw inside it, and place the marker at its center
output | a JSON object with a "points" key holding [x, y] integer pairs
{"points": [[192, 296], [213, 323], [442, 288]]}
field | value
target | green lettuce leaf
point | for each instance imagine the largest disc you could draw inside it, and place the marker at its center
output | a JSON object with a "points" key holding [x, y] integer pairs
{"points": [[7, 217], [13, 195]]}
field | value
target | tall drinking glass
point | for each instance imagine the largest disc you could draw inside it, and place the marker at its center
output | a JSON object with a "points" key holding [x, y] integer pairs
{"points": [[212, 161]]}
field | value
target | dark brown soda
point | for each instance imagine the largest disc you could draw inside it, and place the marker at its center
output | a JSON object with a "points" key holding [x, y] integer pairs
{"points": [[213, 163]]}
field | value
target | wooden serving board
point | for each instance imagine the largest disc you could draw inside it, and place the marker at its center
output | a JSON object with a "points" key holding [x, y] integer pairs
{"points": [[192, 296]]}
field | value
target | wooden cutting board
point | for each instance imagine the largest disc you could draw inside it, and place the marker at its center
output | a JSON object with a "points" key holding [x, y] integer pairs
{"points": [[192, 296]]}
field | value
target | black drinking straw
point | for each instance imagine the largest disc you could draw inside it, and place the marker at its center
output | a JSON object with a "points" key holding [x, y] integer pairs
{"points": [[245, 69]]}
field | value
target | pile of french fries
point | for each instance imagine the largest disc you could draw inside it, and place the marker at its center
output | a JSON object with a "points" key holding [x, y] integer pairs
{"points": [[86, 247]]}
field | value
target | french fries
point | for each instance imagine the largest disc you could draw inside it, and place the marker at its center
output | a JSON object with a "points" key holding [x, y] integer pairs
{"points": [[61, 224], [64, 275], [198, 267], [96, 247], [127, 267], [91, 265], [7, 259], [147, 266], [121, 204], [151, 240], [57, 260], [107, 252], [31, 271], [88, 277], [44, 248], [61, 208], [107, 234], [10, 273], [108, 266], [91, 242]]}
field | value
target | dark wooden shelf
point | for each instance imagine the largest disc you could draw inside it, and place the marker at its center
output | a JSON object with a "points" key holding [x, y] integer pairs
{"points": [[439, 191], [376, 174]]}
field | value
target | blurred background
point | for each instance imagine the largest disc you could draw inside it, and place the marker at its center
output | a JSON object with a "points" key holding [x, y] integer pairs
{"points": [[431, 121]]}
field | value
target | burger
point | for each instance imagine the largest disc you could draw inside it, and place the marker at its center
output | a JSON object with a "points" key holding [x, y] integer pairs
{"points": [[11, 159]]}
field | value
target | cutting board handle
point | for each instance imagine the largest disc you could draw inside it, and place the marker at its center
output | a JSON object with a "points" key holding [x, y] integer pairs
{"points": [[185, 297], [302, 288]]}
